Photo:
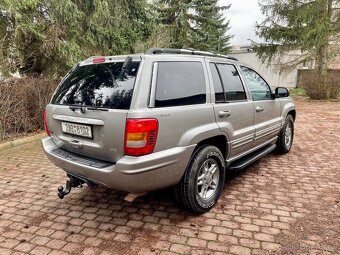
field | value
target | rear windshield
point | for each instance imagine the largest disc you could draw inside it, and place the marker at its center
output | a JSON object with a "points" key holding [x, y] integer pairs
{"points": [[99, 85]]}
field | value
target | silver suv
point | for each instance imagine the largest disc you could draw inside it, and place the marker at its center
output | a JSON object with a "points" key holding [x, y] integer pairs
{"points": [[169, 117]]}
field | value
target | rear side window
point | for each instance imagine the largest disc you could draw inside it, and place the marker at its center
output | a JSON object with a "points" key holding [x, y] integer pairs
{"points": [[231, 83], [180, 83], [99, 85]]}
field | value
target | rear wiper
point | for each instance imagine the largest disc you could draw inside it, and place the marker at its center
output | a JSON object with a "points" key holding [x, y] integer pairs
{"points": [[126, 64], [84, 108], [97, 109], [76, 107]]}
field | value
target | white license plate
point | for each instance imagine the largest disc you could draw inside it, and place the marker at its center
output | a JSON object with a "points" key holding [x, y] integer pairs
{"points": [[76, 129]]}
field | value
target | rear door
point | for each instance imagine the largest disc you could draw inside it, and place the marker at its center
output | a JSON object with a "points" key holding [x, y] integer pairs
{"points": [[266, 109], [178, 100], [233, 111], [87, 113]]}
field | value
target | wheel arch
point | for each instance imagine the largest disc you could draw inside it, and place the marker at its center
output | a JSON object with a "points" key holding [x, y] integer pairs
{"points": [[288, 109], [293, 113], [220, 141]]}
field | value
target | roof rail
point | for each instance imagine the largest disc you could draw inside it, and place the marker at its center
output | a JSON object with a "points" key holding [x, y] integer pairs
{"points": [[187, 52]]}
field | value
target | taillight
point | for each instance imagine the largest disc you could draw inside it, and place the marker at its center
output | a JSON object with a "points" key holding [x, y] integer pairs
{"points": [[140, 136], [45, 125]]}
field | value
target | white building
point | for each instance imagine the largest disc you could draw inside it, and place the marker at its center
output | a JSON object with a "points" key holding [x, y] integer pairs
{"points": [[270, 73]]}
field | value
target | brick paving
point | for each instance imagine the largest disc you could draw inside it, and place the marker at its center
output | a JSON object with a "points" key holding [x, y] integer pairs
{"points": [[280, 205]]}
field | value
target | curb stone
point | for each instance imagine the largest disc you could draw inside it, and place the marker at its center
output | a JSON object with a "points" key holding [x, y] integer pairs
{"points": [[21, 141]]}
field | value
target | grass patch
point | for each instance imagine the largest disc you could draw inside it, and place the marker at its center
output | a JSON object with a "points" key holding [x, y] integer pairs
{"points": [[297, 92]]}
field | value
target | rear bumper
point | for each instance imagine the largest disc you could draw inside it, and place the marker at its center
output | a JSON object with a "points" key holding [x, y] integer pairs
{"points": [[131, 174]]}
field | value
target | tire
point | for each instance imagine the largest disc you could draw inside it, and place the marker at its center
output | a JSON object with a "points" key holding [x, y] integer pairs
{"points": [[199, 190], [285, 140]]}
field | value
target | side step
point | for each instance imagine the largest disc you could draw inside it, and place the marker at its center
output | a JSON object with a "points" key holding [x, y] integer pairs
{"points": [[250, 158]]}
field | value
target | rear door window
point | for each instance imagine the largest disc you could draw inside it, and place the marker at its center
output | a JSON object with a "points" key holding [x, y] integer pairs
{"points": [[232, 84], [219, 92], [180, 83], [98, 85]]}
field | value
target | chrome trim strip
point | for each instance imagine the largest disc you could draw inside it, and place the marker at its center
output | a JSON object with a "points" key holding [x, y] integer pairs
{"points": [[242, 141], [266, 134], [273, 140], [78, 120], [267, 131]]}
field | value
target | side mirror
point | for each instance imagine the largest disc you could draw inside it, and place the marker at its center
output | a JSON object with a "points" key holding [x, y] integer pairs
{"points": [[281, 92]]}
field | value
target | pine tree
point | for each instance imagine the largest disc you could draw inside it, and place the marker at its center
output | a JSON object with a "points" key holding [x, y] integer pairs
{"points": [[175, 18], [49, 36], [195, 24], [312, 26], [210, 30]]}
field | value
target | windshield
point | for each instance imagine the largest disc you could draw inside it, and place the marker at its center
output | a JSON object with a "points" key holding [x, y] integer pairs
{"points": [[99, 85]]}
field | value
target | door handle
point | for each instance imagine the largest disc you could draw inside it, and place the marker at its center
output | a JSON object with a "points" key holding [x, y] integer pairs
{"points": [[259, 108], [222, 114]]}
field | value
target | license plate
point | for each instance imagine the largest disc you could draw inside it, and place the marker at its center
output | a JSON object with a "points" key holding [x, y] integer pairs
{"points": [[76, 129]]}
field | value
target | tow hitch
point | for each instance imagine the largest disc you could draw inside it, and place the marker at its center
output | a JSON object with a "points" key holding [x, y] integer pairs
{"points": [[73, 182]]}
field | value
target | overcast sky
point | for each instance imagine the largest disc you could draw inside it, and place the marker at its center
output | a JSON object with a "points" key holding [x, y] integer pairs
{"points": [[243, 15]]}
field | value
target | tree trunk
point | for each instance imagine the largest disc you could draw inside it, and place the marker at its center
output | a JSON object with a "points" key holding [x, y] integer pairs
{"points": [[322, 53], [321, 60]]}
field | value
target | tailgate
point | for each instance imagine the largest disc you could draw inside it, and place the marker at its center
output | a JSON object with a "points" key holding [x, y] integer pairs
{"points": [[87, 113], [107, 130]]}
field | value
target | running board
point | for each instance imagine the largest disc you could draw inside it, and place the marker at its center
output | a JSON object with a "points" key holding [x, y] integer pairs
{"points": [[250, 158]]}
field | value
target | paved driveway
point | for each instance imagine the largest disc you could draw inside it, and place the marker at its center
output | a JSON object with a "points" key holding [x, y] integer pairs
{"points": [[280, 205]]}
